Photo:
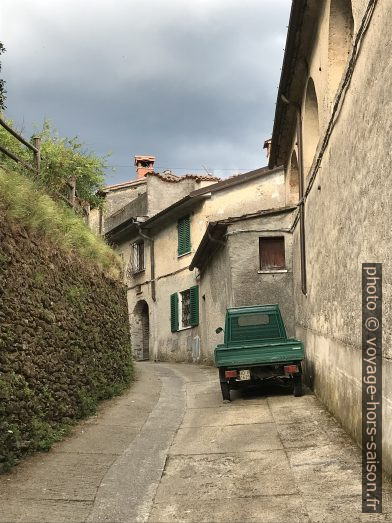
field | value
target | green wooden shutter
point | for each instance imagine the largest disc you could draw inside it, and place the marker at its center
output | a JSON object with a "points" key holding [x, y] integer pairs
{"points": [[184, 235], [174, 312], [194, 291]]}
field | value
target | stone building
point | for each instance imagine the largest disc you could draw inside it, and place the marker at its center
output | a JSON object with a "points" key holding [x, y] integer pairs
{"points": [[173, 309], [244, 260], [332, 133]]}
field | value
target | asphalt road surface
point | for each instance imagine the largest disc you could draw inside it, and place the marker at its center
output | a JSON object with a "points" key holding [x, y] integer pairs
{"points": [[169, 450]]}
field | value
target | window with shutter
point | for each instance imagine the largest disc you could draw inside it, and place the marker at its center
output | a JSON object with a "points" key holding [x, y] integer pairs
{"points": [[184, 235], [272, 255], [174, 312], [138, 257], [194, 308], [185, 309]]}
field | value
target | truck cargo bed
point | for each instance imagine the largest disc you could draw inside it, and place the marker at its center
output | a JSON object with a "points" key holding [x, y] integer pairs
{"points": [[271, 352]]}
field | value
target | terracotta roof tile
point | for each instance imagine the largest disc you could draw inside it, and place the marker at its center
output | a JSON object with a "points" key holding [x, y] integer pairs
{"points": [[175, 179]]}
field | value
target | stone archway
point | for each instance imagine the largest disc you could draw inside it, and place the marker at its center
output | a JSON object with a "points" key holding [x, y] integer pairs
{"points": [[140, 331], [311, 129], [293, 180], [341, 29]]}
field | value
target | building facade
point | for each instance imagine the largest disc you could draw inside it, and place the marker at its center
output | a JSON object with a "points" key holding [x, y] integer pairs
{"points": [[333, 131], [173, 305]]}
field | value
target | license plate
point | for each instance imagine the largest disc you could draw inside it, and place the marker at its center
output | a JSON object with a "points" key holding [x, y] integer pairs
{"points": [[244, 375]]}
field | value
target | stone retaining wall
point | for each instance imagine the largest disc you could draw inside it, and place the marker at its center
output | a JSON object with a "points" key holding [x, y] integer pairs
{"points": [[64, 341]]}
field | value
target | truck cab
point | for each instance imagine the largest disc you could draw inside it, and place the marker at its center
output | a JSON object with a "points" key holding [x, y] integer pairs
{"points": [[255, 348]]}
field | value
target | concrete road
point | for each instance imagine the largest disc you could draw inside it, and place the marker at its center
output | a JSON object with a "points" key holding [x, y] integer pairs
{"points": [[169, 450]]}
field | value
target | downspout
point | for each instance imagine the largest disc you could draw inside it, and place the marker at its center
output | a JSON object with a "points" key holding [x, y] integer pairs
{"points": [[152, 258], [301, 202]]}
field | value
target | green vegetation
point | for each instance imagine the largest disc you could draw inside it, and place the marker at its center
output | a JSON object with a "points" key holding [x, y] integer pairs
{"points": [[25, 202], [39, 434], [61, 158]]}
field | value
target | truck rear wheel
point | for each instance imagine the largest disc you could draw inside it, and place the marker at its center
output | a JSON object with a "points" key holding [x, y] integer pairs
{"points": [[225, 390], [297, 386]]}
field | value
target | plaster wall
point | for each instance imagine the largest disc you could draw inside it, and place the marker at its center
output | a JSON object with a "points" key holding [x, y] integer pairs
{"points": [[172, 273], [264, 192], [173, 346], [116, 199], [346, 225], [252, 286], [162, 194], [216, 293]]}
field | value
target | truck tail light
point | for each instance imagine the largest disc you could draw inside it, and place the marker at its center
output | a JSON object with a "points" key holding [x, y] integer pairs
{"points": [[290, 369], [230, 373]]}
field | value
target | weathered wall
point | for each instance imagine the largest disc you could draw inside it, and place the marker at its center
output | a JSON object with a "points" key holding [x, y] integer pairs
{"points": [[162, 194], [167, 345], [252, 286], [347, 224], [216, 296], [64, 341], [265, 192], [136, 207], [116, 199], [171, 272]]}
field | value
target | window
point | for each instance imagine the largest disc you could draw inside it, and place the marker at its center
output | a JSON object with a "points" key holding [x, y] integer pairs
{"points": [[272, 253], [253, 319], [138, 257], [184, 236], [258, 326], [184, 309]]}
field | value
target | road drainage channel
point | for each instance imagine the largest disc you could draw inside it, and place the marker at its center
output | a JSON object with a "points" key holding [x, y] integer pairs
{"points": [[128, 488]]}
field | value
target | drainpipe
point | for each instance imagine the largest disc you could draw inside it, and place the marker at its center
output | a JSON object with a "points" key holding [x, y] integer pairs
{"points": [[152, 258], [301, 202]]}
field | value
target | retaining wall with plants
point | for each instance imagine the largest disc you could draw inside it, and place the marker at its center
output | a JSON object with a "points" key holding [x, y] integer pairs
{"points": [[64, 339]]}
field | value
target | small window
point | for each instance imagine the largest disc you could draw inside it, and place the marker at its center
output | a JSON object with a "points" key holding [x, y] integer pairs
{"points": [[184, 309], [253, 319], [185, 299], [184, 236], [138, 257], [272, 254]]}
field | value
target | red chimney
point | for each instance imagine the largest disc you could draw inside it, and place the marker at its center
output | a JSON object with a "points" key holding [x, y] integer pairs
{"points": [[144, 165]]}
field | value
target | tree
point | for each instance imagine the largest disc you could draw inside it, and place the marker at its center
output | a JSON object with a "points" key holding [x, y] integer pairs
{"points": [[61, 158], [2, 83]]}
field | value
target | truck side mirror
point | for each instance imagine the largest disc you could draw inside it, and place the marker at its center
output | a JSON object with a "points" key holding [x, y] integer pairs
{"points": [[219, 330]]}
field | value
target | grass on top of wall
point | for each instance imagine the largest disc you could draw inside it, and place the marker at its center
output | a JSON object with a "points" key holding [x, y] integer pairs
{"points": [[26, 203]]}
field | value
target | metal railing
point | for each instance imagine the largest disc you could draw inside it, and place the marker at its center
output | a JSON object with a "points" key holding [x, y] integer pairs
{"points": [[36, 148], [72, 198]]}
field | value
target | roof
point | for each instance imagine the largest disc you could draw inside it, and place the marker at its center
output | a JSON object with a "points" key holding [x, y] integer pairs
{"points": [[215, 233], [187, 203], [170, 177], [162, 176], [122, 185], [294, 76]]}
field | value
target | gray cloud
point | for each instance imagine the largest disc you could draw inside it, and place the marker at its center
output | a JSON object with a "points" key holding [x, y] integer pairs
{"points": [[191, 81]]}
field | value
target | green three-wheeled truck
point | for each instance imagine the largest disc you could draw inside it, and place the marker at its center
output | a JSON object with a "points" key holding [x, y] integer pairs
{"points": [[256, 348]]}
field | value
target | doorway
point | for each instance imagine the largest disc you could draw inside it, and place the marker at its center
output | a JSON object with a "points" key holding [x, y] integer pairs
{"points": [[141, 331]]}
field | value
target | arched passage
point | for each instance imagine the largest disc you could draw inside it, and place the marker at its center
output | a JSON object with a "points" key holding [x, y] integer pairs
{"points": [[341, 28], [293, 180], [311, 129], [140, 331]]}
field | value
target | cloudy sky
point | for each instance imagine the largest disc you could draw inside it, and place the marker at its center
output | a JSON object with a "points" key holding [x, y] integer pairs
{"points": [[192, 82]]}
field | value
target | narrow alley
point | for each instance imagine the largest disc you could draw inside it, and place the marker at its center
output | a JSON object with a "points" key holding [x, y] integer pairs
{"points": [[170, 450]]}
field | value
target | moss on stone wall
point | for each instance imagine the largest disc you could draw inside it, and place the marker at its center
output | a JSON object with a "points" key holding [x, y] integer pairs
{"points": [[64, 340]]}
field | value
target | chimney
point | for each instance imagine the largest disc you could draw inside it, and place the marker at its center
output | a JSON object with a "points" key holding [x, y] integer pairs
{"points": [[144, 165], [267, 145]]}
